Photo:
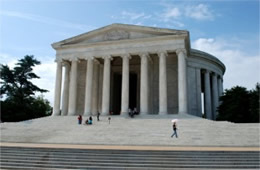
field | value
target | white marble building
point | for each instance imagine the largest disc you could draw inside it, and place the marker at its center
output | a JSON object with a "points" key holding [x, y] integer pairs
{"points": [[117, 67]]}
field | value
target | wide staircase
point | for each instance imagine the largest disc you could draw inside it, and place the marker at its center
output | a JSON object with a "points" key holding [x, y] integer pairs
{"points": [[49, 158]]}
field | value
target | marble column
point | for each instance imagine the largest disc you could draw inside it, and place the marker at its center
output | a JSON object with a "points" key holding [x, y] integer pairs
{"points": [[73, 87], [106, 85], [88, 89], [163, 103], [182, 81], [220, 87], [95, 88], [65, 95], [57, 95], [207, 95], [214, 96], [144, 84], [125, 85], [100, 87], [198, 85]]}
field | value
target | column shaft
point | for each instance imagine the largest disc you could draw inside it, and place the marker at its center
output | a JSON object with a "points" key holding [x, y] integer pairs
{"points": [[182, 81], [207, 96], [144, 84], [163, 103], [125, 85], [73, 88], [220, 87], [100, 87], [106, 86], [88, 90], [95, 89], [65, 96], [214, 96], [198, 81], [57, 96]]}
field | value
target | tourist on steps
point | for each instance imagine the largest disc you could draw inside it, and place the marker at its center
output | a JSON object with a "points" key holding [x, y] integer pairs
{"points": [[90, 120], [98, 114], [79, 119], [135, 111], [174, 127]]}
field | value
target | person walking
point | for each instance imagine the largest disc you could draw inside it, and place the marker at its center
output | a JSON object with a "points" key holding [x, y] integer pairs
{"points": [[98, 114], [174, 127]]}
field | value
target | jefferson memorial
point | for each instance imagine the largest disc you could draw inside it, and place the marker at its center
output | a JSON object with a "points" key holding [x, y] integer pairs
{"points": [[119, 66]]}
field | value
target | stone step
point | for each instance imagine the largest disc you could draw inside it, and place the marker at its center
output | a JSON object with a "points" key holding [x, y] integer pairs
{"points": [[137, 155], [131, 160], [125, 165], [151, 154], [148, 130], [31, 158], [120, 159]]}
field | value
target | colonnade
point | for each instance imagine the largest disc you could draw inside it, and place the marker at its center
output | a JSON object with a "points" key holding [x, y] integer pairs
{"points": [[213, 89], [69, 97]]}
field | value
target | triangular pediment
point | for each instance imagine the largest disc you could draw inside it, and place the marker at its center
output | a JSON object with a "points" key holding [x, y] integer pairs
{"points": [[115, 32]]}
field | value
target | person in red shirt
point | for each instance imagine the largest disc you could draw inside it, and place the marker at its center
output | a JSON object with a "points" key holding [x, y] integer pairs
{"points": [[79, 119]]}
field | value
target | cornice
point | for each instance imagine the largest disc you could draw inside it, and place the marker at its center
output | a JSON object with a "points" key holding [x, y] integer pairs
{"points": [[207, 56], [125, 41]]}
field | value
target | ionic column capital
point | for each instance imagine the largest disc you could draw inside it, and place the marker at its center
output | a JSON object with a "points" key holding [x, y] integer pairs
{"points": [[205, 71], [108, 57], [143, 55], [214, 74], [89, 58], [126, 56], [65, 63], [220, 77], [73, 59], [162, 53], [181, 50]]}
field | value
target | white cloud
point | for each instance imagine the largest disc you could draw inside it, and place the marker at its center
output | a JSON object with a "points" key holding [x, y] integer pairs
{"points": [[45, 20], [132, 15], [46, 71], [199, 12], [8, 59], [178, 24], [171, 13], [241, 69]]}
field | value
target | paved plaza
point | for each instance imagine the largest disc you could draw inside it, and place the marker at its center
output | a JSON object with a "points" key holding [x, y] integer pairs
{"points": [[139, 131]]}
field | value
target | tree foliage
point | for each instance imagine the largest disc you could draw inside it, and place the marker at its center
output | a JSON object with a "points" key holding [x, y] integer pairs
{"points": [[240, 105], [19, 92]]}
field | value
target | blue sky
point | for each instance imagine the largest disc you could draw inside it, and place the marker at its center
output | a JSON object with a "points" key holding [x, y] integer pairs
{"points": [[227, 29]]}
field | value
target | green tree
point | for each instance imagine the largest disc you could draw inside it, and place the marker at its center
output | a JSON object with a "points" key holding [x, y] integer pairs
{"points": [[254, 102], [18, 92], [239, 105]]}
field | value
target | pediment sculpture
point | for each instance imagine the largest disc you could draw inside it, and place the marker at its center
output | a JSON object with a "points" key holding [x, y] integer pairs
{"points": [[116, 35]]}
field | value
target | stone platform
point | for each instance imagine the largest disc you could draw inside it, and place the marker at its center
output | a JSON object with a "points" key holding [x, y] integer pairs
{"points": [[139, 131]]}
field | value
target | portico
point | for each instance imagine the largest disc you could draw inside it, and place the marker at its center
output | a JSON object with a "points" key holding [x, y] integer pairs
{"points": [[151, 65]]}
